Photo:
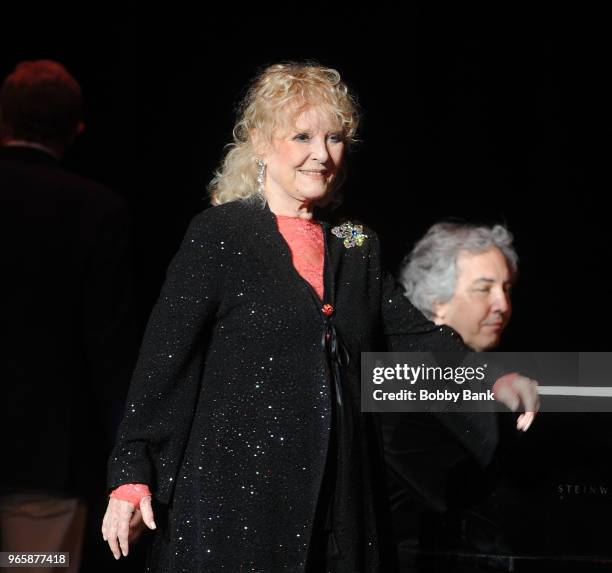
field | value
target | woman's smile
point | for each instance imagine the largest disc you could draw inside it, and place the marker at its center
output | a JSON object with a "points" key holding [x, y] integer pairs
{"points": [[313, 173]]}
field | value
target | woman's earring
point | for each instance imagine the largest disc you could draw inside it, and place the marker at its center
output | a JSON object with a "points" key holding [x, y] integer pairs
{"points": [[261, 175]]}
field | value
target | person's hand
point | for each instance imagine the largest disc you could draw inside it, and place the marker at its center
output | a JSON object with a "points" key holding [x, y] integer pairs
{"points": [[514, 390], [123, 523], [137, 526]]}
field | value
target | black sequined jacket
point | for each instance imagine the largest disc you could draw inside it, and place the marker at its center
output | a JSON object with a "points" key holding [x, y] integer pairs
{"points": [[231, 404]]}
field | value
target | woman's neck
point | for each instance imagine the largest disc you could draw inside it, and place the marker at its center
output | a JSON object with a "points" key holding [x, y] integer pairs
{"points": [[289, 207]]}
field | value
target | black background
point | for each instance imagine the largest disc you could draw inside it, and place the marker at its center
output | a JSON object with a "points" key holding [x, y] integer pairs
{"points": [[481, 113]]}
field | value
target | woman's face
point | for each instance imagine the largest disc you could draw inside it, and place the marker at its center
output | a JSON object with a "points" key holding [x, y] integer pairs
{"points": [[303, 160]]}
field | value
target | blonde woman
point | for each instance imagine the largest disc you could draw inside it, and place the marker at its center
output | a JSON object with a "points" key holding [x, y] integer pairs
{"points": [[242, 436]]}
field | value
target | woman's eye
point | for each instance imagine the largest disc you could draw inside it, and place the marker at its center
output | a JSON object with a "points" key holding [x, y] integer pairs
{"points": [[336, 137], [301, 137]]}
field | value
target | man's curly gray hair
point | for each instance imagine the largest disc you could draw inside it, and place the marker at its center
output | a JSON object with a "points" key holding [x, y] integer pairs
{"points": [[429, 272]]}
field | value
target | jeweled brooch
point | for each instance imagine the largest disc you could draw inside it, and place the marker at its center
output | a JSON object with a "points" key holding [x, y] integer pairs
{"points": [[352, 234]]}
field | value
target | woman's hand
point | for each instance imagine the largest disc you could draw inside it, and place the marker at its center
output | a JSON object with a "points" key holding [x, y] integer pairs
{"points": [[515, 390], [123, 523]]}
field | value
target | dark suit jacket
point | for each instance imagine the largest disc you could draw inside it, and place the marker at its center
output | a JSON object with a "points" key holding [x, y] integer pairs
{"points": [[230, 412], [65, 315]]}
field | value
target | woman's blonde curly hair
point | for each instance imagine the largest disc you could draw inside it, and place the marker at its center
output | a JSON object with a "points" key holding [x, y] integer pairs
{"points": [[281, 92]]}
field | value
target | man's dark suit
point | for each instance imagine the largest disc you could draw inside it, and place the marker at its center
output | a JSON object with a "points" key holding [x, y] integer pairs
{"points": [[65, 296]]}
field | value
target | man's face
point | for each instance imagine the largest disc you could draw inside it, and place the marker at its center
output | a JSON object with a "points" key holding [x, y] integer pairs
{"points": [[480, 307]]}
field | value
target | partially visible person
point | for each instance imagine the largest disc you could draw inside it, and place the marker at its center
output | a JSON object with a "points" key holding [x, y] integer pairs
{"points": [[66, 321], [461, 275]]}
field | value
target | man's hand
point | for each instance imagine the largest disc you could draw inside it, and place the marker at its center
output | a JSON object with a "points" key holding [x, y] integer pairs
{"points": [[515, 391]]}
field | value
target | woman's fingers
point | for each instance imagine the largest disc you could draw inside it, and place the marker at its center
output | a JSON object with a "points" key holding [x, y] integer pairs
{"points": [[147, 512], [109, 533], [137, 527], [116, 526], [123, 532], [114, 546]]}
